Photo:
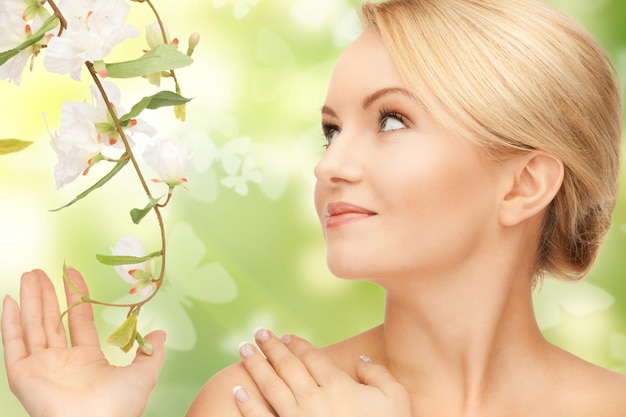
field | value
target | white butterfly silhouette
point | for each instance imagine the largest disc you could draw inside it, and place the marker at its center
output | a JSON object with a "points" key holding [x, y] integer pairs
{"points": [[238, 166], [239, 183], [186, 279], [580, 298], [206, 153]]}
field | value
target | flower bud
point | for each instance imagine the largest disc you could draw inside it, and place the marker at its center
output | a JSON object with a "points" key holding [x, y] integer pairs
{"points": [[100, 68], [194, 39], [144, 344]]}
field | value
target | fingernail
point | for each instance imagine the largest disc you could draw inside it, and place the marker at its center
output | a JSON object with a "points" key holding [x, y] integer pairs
{"points": [[366, 359], [261, 335], [240, 394], [286, 338], [246, 349]]}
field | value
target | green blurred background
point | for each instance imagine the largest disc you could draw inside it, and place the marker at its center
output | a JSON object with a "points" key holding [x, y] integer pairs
{"points": [[241, 262]]}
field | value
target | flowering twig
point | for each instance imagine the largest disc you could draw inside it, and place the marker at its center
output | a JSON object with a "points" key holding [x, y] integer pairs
{"points": [[88, 131]]}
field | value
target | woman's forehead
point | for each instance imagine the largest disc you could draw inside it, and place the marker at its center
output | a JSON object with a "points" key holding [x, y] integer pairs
{"points": [[366, 63]]}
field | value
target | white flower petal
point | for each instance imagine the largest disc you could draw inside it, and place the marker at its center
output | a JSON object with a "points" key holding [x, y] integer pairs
{"points": [[93, 29], [128, 246], [170, 159]]}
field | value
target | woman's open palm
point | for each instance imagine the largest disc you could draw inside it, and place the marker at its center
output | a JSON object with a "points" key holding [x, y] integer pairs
{"points": [[52, 378]]}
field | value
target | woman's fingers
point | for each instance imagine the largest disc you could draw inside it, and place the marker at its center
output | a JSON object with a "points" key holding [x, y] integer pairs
{"points": [[273, 388], [323, 370], [32, 305], [55, 332], [250, 405], [378, 376], [80, 318], [150, 366], [287, 365], [12, 336]]}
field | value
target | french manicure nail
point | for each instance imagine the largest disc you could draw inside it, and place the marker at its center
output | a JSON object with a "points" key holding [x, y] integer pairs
{"points": [[261, 335], [366, 359], [246, 349], [286, 338], [240, 394]]}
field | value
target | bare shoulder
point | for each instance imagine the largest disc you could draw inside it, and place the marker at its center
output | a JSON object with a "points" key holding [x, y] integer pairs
{"points": [[216, 399], [592, 390], [609, 393]]}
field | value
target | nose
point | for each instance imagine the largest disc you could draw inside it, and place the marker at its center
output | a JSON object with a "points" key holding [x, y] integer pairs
{"points": [[342, 161]]}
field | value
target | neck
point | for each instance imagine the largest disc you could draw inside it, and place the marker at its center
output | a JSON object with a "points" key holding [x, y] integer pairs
{"points": [[452, 339]]}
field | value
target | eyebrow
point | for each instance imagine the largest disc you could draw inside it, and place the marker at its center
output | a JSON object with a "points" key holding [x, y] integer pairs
{"points": [[376, 95], [383, 92]]}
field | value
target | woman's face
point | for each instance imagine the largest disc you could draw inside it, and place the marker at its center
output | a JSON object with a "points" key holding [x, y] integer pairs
{"points": [[396, 194]]}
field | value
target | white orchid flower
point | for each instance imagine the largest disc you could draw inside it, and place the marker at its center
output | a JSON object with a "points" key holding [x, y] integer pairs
{"points": [[94, 27], [171, 160], [77, 143], [17, 23], [87, 131], [140, 275], [104, 123]]}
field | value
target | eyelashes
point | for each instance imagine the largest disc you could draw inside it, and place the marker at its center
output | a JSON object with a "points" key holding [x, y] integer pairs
{"points": [[386, 117], [330, 132], [388, 121]]}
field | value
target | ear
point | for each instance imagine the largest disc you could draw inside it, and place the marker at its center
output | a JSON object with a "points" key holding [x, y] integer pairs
{"points": [[536, 179]]}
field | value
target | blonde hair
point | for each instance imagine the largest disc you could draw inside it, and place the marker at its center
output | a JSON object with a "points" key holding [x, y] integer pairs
{"points": [[517, 75]]}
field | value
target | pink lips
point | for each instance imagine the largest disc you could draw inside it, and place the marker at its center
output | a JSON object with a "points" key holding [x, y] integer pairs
{"points": [[340, 213]]}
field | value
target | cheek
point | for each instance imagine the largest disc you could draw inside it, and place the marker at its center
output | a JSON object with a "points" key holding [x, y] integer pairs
{"points": [[442, 197]]}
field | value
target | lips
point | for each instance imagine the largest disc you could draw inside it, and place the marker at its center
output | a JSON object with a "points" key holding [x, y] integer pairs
{"points": [[339, 213]]}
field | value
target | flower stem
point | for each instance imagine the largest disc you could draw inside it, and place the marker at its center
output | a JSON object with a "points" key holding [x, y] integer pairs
{"points": [[129, 154], [165, 40], [58, 14]]}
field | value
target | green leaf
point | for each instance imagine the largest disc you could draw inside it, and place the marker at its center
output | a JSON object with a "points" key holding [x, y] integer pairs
{"points": [[160, 58], [160, 99], [73, 287], [49, 24], [98, 184], [13, 145], [114, 260], [138, 214], [124, 336]]}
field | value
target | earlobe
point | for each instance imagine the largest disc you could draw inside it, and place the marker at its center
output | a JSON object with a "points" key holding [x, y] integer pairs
{"points": [[537, 178]]}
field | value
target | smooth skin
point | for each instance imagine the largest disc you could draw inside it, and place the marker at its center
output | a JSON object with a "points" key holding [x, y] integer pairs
{"points": [[451, 237]]}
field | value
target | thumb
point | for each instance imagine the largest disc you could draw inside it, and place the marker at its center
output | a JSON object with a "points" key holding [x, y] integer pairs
{"points": [[378, 376], [150, 365]]}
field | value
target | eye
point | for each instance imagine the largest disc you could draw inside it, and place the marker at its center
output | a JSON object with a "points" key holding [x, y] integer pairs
{"points": [[330, 133], [390, 121]]}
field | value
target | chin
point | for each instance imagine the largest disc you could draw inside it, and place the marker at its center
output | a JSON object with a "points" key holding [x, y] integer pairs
{"points": [[350, 270]]}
